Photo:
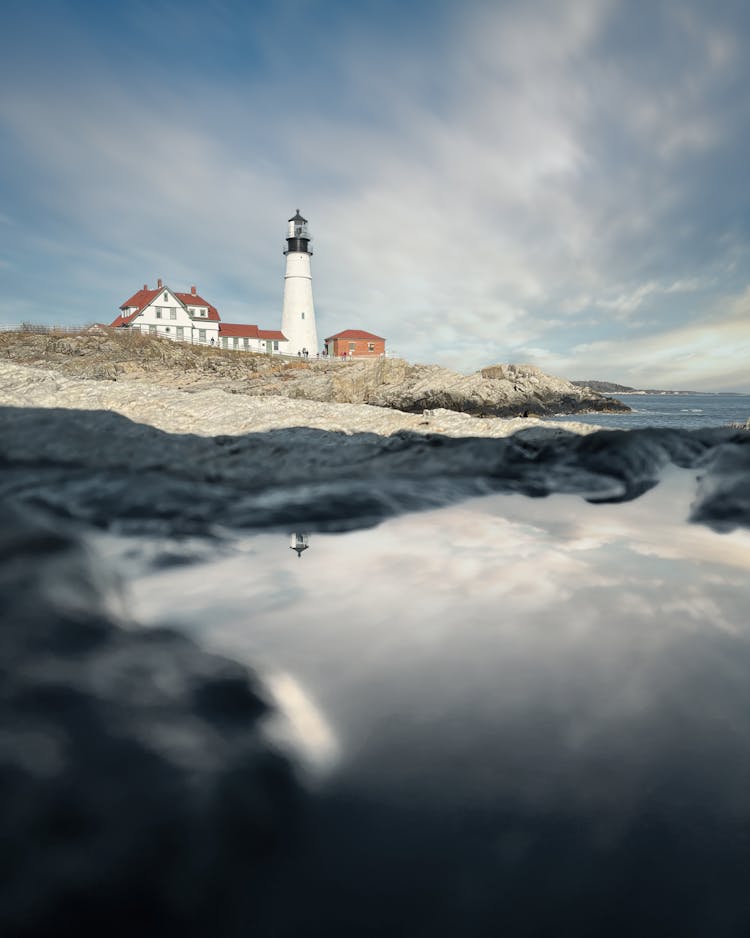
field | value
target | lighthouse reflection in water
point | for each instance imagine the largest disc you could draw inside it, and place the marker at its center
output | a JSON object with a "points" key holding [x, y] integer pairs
{"points": [[298, 543]]}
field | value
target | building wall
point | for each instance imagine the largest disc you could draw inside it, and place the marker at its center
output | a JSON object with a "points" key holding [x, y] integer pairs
{"points": [[359, 348], [165, 315], [192, 334], [194, 331]]}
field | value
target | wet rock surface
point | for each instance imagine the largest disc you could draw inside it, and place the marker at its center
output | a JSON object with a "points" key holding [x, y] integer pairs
{"points": [[586, 788], [139, 794], [105, 470]]}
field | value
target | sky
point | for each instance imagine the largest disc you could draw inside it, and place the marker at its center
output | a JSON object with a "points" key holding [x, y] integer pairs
{"points": [[558, 183]]}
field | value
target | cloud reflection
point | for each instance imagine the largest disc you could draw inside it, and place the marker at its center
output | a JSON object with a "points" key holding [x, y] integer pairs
{"points": [[538, 709], [472, 615]]}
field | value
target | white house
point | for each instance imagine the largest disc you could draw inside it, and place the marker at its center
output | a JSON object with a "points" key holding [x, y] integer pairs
{"points": [[187, 317]]}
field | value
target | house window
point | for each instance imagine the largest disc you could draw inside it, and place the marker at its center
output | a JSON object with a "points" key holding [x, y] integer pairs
{"points": [[236, 343], [173, 314], [158, 312], [167, 329], [152, 330], [166, 297], [191, 310], [275, 346], [352, 346], [246, 343], [201, 335], [224, 341], [180, 332], [370, 346]]}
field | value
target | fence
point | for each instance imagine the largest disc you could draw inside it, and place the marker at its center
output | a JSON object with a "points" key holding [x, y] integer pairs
{"points": [[41, 328]]}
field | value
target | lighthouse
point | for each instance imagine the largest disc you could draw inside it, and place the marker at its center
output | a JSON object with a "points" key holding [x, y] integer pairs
{"points": [[298, 312]]}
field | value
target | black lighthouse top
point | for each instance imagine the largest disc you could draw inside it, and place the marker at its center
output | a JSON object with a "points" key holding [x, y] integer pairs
{"points": [[298, 236]]}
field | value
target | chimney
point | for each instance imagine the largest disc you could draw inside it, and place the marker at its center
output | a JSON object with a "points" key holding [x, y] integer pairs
{"points": [[193, 290], [145, 286], [158, 283]]}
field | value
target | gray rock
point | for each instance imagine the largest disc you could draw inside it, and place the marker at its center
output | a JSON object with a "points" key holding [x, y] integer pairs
{"points": [[498, 391], [105, 470], [207, 409], [139, 796]]}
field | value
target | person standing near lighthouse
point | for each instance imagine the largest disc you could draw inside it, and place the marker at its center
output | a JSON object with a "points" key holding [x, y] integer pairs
{"points": [[298, 311]]}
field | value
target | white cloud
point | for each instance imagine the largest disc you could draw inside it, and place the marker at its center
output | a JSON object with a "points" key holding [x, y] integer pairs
{"points": [[700, 356], [473, 205]]}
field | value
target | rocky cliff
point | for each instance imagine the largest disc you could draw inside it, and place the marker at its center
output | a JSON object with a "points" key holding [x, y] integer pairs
{"points": [[499, 391]]}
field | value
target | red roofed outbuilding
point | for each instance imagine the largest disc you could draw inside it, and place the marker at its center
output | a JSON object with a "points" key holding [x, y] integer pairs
{"points": [[355, 343]]}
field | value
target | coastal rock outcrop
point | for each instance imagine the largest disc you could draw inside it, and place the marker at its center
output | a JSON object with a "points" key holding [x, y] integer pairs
{"points": [[209, 410], [497, 391]]}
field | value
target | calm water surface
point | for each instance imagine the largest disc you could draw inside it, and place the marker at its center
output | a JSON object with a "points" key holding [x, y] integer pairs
{"points": [[532, 714], [684, 411]]}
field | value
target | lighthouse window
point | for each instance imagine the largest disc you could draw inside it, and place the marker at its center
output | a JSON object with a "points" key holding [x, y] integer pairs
{"points": [[303, 315]]}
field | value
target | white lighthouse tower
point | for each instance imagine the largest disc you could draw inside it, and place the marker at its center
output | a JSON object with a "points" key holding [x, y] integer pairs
{"points": [[298, 312]]}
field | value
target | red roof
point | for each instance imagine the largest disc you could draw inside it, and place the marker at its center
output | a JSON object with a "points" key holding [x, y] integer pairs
{"points": [[142, 298], [354, 334], [239, 330], [192, 299]]}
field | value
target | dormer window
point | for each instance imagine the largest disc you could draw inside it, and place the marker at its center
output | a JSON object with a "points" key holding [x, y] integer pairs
{"points": [[166, 297]]}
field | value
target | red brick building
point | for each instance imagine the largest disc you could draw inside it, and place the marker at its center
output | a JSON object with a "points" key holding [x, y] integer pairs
{"points": [[355, 343]]}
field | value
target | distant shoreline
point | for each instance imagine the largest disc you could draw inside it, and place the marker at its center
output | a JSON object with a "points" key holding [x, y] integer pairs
{"points": [[681, 393], [622, 390]]}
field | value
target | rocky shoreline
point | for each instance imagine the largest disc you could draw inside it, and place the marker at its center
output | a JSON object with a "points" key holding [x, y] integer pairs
{"points": [[206, 411], [508, 391]]}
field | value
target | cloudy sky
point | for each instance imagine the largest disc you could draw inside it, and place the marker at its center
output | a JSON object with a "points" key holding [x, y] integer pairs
{"points": [[562, 183]]}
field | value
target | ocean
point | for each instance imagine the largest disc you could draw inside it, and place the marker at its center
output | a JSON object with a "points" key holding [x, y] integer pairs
{"points": [[681, 411]]}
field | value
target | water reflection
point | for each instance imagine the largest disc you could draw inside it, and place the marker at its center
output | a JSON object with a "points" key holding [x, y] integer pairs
{"points": [[299, 543], [540, 715]]}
